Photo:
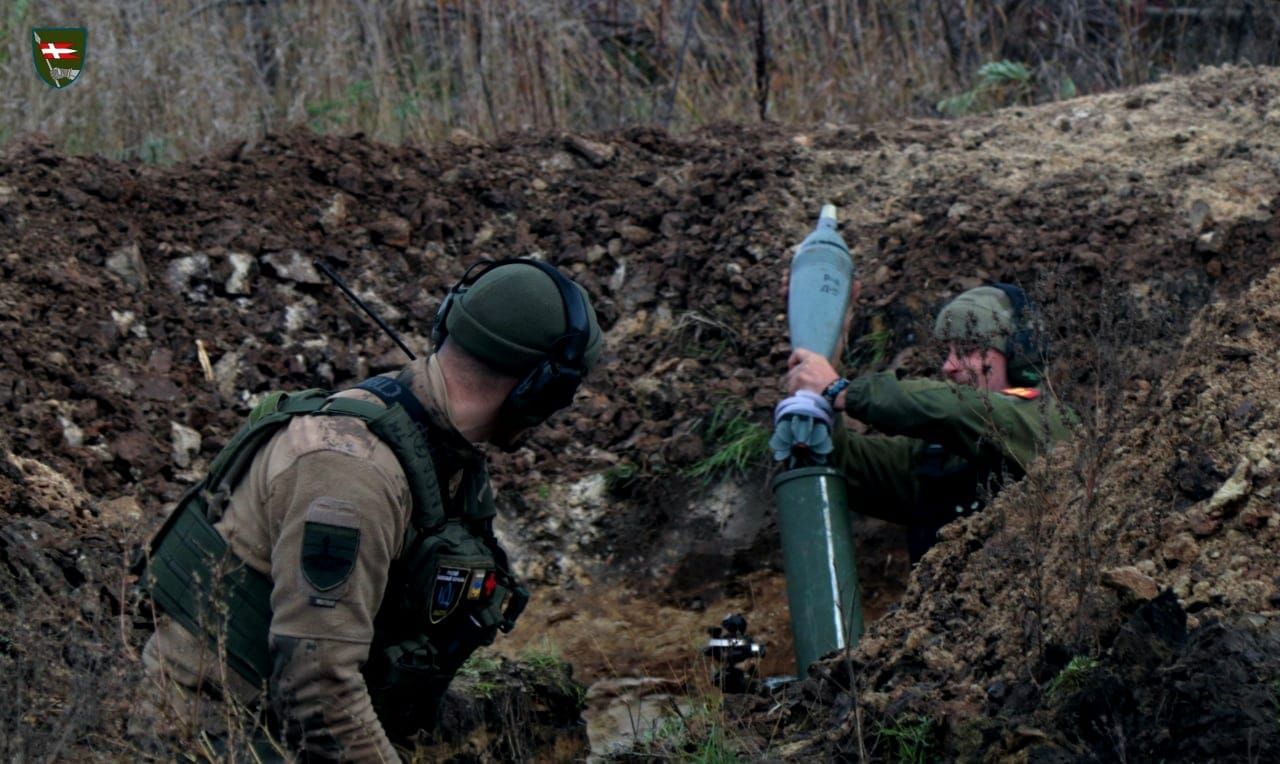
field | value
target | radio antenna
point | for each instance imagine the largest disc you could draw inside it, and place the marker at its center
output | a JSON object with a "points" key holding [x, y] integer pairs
{"points": [[326, 270]]}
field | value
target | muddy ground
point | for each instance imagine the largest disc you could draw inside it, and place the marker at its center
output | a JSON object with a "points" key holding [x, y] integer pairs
{"points": [[1123, 214]]}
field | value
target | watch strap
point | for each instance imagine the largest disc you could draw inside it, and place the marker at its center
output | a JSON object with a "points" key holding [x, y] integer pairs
{"points": [[834, 389]]}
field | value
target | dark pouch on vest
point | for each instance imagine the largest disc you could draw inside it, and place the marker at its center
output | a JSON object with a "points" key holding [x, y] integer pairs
{"points": [[194, 577], [948, 489], [406, 686], [448, 595], [451, 575]]}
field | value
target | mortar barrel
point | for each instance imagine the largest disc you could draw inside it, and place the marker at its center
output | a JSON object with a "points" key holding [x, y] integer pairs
{"points": [[818, 555]]}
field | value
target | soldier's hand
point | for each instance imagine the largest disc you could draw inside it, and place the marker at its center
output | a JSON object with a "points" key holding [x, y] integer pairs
{"points": [[809, 371]]}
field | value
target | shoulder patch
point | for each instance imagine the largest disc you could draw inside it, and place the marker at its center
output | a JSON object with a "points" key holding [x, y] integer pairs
{"points": [[1025, 393], [328, 554], [330, 543]]}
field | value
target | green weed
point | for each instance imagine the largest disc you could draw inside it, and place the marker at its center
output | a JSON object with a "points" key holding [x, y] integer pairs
{"points": [[156, 150], [479, 669], [335, 113], [153, 149], [870, 350], [479, 663], [408, 113], [628, 479], [11, 26], [622, 478], [715, 749], [1067, 88], [998, 83], [737, 444], [911, 736], [546, 665], [544, 657], [700, 737], [321, 113], [1073, 677]]}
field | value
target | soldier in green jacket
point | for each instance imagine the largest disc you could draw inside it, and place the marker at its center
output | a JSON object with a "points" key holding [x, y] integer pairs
{"points": [[946, 447]]}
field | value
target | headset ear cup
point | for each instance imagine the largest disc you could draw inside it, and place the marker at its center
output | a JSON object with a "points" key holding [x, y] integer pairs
{"points": [[545, 390], [550, 385], [1024, 347]]}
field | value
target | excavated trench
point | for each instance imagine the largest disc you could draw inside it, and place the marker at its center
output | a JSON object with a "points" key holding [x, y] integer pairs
{"points": [[1123, 214]]}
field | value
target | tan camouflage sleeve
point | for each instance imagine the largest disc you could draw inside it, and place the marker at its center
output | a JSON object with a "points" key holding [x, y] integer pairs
{"points": [[341, 520]]}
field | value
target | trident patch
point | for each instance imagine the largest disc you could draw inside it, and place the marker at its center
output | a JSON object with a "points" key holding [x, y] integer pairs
{"points": [[447, 591], [59, 54]]}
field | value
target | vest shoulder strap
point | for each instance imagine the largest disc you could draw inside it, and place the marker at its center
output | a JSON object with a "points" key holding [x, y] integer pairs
{"points": [[393, 426], [404, 428], [272, 413]]}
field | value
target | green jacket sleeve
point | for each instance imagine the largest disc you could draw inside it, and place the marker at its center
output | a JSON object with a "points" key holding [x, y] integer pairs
{"points": [[879, 471], [978, 425]]}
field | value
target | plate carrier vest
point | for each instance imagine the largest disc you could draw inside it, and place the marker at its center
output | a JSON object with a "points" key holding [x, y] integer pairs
{"points": [[193, 576]]}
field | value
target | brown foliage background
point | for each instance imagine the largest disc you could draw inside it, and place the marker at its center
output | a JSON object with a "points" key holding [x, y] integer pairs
{"points": [[164, 80]]}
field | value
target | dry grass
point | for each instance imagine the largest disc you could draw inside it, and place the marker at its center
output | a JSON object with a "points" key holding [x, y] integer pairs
{"points": [[170, 79]]}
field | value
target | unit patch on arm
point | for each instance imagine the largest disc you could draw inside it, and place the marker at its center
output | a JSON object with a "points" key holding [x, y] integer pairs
{"points": [[328, 554]]}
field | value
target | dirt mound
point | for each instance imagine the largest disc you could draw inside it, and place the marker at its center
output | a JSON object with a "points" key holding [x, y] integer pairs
{"points": [[115, 276], [143, 309], [1128, 610]]}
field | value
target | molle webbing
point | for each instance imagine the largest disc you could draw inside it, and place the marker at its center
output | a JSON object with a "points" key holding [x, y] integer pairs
{"points": [[230, 464], [195, 577], [192, 574]]}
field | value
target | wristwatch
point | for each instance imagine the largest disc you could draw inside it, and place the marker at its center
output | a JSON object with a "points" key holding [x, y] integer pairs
{"points": [[833, 391]]}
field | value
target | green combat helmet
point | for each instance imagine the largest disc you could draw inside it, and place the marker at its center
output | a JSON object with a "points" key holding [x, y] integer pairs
{"points": [[997, 316], [525, 319]]}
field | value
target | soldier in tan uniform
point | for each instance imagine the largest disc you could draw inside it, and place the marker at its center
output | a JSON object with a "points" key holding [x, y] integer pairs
{"points": [[334, 585]]}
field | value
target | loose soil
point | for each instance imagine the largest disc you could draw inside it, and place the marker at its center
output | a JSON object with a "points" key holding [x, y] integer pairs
{"points": [[144, 309]]}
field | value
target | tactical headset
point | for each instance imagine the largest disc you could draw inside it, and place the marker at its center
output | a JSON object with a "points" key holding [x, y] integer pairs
{"points": [[1026, 350], [549, 386]]}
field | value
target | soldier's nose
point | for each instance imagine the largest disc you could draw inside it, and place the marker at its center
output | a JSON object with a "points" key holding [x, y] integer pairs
{"points": [[952, 363]]}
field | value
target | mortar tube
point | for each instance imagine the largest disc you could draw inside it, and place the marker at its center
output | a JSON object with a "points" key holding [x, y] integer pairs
{"points": [[818, 557]]}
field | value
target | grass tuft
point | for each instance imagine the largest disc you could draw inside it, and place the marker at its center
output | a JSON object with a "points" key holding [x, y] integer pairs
{"points": [[998, 83], [911, 736], [1074, 676], [737, 444], [480, 662], [698, 737]]}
